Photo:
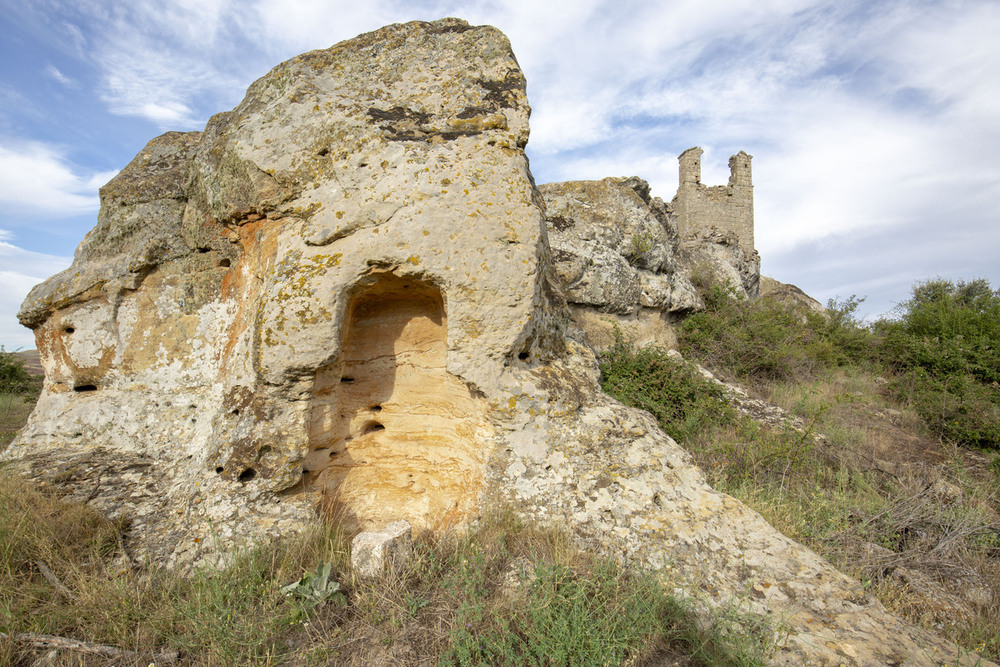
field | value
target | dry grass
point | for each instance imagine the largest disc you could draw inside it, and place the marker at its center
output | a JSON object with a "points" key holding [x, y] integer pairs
{"points": [[914, 519], [14, 411], [502, 593]]}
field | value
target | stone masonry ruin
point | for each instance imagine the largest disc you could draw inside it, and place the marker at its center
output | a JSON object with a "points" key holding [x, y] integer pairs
{"points": [[626, 259], [703, 210], [348, 295]]}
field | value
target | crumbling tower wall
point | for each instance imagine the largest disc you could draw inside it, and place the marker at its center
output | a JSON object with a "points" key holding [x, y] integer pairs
{"points": [[702, 210]]}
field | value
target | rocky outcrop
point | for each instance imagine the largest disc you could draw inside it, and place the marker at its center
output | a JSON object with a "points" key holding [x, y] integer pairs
{"points": [[373, 553], [309, 303], [789, 295], [341, 297], [624, 268]]}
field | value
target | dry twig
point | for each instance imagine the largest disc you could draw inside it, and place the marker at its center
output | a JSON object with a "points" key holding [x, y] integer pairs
{"points": [[65, 644]]}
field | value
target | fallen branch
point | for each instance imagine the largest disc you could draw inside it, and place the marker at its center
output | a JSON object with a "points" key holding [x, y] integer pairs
{"points": [[63, 643], [54, 580]]}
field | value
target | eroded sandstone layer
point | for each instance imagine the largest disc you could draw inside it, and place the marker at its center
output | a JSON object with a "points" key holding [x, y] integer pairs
{"points": [[338, 297]]}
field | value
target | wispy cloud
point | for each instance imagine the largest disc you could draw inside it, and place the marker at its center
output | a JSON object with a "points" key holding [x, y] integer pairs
{"points": [[21, 270], [53, 72], [169, 63], [37, 178]]}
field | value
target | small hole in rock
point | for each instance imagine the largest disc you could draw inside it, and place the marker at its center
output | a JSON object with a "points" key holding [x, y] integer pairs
{"points": [[69, 330], [347, 380], [371, 427], [523, 356], [247, 475], [203, 250], [219, 470], [323, 152], [85, 387], [376, 408], [224, 262], [236, 411]]}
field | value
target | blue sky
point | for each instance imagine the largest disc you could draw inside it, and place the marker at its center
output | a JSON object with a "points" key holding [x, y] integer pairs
{"points": [[873, 124]]}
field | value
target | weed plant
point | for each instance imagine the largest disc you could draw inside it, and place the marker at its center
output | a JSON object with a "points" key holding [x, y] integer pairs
{"points": [[682, 401]]}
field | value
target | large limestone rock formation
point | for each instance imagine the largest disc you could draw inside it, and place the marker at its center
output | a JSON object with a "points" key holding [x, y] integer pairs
{"points": [[307, 303], [338, 298], [789, 295]]}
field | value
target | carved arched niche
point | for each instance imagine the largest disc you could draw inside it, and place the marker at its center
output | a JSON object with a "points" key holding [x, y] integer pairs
{"points": [[392, 434]]}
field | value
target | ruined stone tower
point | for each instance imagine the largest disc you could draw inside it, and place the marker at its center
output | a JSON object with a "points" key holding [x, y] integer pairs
{"points": [[702, 209]]}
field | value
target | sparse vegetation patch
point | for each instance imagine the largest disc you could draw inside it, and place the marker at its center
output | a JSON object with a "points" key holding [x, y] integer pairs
{"points": [[504, 593], [877, 475]]}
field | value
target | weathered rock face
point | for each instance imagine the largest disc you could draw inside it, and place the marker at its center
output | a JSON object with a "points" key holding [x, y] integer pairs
{"points": [[789, 295], [308, 303], [337, 296], [623, 266]]}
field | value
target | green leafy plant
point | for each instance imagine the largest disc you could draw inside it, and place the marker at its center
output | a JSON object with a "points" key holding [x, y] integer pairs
{"points": [[315, 588], [641, 243], [945, 350]]}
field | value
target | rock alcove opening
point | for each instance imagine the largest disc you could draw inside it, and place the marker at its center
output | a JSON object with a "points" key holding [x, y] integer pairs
{"points": [[393, 435]]}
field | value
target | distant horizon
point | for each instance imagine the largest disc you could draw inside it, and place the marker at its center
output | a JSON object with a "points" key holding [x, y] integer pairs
{"points": [[872, 125]]}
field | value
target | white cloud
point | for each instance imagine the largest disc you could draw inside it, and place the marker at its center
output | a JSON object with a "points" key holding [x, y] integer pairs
{"points": [[143, 80], [22, 270], [53, 72], [38, 178]]}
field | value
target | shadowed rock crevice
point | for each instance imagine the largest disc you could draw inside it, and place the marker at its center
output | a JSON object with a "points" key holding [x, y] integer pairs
{"points": [[391, 432]]}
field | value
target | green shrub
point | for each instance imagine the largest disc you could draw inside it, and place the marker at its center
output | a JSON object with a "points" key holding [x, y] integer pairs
{"points": [[945, 349], [763, 341], [14, 377], [682, 401]]}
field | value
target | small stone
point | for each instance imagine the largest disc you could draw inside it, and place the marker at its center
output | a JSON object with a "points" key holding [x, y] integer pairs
{"points": [[374, 552], [946, 492], [520, 573]]}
